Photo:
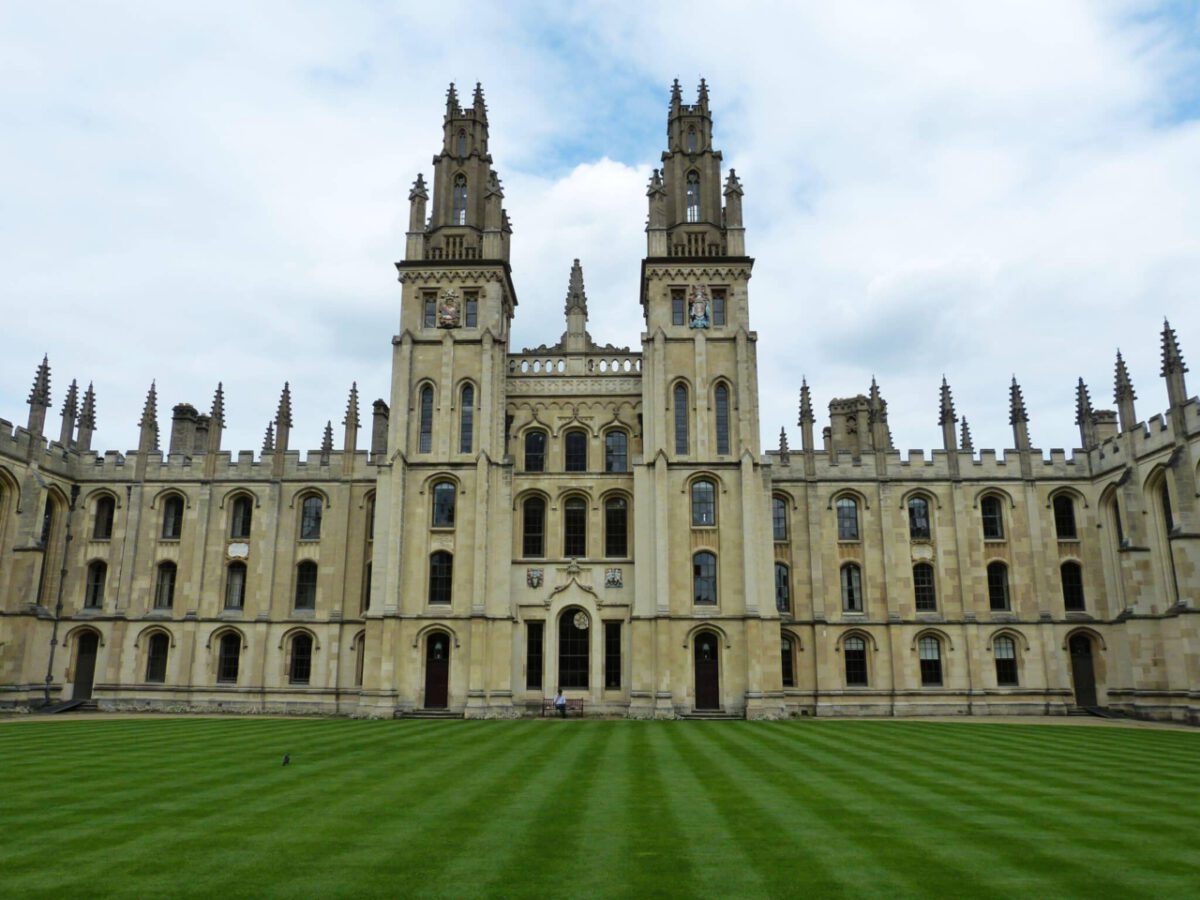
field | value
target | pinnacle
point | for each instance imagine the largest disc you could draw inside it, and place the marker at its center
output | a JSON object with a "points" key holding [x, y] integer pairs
{"points": [[150, 409], [965, 441], [1083, 403], [1171, 356], [269, 439], [806, 412], [217, 415], [419, 191], [71, 402], [284, 414], [87, 415], [1017, 412], [947, 413], [576, 296], [351, 419], [40, 394], [327, 440]]}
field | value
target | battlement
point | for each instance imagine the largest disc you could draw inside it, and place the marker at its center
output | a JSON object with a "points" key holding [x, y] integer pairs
{"points": [[987, 465]]}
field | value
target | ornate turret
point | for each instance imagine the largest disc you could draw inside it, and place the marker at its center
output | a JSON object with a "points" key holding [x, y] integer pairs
{"points": [[1017, 416], [69, 411], [1173, 366], [39, 398], [87, 421], [1123, 395]]}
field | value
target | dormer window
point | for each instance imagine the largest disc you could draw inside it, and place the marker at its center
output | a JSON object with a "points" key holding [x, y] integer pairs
{"points": [[462, 145], [460, 200], [693, 197], [691, 140]]}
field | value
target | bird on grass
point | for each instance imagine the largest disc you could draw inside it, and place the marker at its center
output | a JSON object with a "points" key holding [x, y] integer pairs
{"points": [[286, 759]]}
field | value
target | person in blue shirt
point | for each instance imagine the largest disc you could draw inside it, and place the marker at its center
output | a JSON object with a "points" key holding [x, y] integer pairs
{"points": [[560, 703]]}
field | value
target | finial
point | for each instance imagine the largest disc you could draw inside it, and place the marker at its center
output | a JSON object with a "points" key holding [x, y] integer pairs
{"points": [[784, 455], [732, 184], [947, 405], [1083, 404], [478, 99], [576, 297], [39, 395], [150, 408], [419, 191], [269, 439], [1172, 359], [1016, 404], [217, 414], [676, 96], [351, 420], [965, 441], [451, 101], [284, 414], [656, 184], [327, 441], [71, 402], [806, 411], [702, 94], [87, 413], [1122, 385]]}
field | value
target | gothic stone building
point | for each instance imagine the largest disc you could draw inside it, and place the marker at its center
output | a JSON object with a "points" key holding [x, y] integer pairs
{"points": [[600, 519]]}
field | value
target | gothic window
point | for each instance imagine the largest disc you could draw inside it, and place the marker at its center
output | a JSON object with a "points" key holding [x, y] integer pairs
{"points": [[997, 582], [466, 419], [97, 574], [787, 661], [855, 651], [1072, 587], [105, 509], [783, 588], [1116, 511], [691, 140], [172, 522], [575, 451], [156, 658], [847, 519], [300, 667], [693, 197], [575, 528], [681, 419], [704, 503], [616, 527], [535, 451], [616, 451], [918, 519], [365, 601], [240, 517], [924, 592], [441, 576], [444, 493], [573, 648], [47, 522], [430, 311], [235, 586], [462, 144], [704, 577], [534, 637], [1064, 518], [533, 537], [164, 586], [460, 200], [371, 517], [227, 660], [1005, 650], [612, 656], [993, 518], [718, 308], [678, 308], [721, 396], [471, 313], [852, 597], [930, 651], [779, 518], [1168, 518], [425, 425], [311, 510], [306, 585]]}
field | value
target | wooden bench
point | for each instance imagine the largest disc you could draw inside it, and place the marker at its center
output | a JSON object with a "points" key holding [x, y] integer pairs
{"points": [[574, 707]]}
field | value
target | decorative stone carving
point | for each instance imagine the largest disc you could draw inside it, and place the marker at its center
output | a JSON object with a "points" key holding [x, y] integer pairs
{"points": [[535, 577], [614, 578], [449, 309], [699, 308], [238, 550], [581, 621]]}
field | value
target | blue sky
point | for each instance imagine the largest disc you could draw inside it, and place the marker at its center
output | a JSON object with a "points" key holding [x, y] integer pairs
{"points": [[218, 191]]}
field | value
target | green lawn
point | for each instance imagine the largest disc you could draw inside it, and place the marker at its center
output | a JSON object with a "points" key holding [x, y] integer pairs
{"points": [[201, 807]]}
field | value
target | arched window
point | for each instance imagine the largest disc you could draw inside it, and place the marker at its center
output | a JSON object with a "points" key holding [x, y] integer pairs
{"points": [[681, 419], [425, 423], [704, 577], [847, 519], [466, 419], [157, 649], [787, 661], [97, 574], [616, 451], [1072, 587], [227, 659], [235, 586], [993, 518], [1116, 512], [704, 503], [1005, 650], [172, 523], [533, 534], [444, 493], [852, 596], [365, 602], [721, 399], [164, 586], [460, 200], [240, 517], [47, 521], [779, 518], [924, 592], [103, 526], [1064, 518], [693, 197], [1164, 493], [535, 451], [441, 577], [616, 527], [783, 588], [855, 651], [311, 510], [691, 140], [930, 651], [306, 585], [371, 517], [462, 143], [575, 528], [918, 519], [300, 666], [575, 451], [573, 646], [997, 581]]}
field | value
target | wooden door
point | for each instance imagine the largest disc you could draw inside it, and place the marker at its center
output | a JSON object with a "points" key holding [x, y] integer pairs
{"points": [[85, 666], [1083, 672], [708, 680], [437, 671]]}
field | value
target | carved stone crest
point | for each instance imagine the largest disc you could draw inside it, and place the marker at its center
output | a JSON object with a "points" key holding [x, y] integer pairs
{"points": [[535, 577], [614, 578], [699, 308], [449, 309]]}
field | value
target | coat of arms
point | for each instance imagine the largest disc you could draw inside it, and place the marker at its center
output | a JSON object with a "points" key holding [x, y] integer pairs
{"points": [[698, 308], [534, 577], [614, 578], [449, 309]]}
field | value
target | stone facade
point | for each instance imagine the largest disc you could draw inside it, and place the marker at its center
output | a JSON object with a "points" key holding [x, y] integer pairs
{"points": [[600, 519]]}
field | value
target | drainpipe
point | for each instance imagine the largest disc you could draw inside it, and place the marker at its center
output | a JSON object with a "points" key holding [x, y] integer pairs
{"points": [[58, 605]]}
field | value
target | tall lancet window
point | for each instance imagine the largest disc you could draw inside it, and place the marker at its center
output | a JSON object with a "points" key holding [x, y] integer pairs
{"points": [[460, 200], [722, 401], [462, 144], [691, 140], [693, 197], [425, 444], [466, 429]]}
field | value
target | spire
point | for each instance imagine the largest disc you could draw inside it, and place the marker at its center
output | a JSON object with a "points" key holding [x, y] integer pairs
{"points": [[69, 411], [327, 442], [576, 298], [350, 436], [806, 411], [269, 439], [1085, 416], [702, 96], [1018, 417], [87, 420], [946, 418], [451, 102], [1173, 366], [39, 397], [351, 420], [676, 97], [478, 103], [283, 426], [881, 435], [784, 455], [148, 424], [965, 440], [1123, 395], [216, 416]]}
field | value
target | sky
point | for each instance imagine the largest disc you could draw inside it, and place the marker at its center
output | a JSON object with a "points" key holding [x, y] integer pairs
{"points": [[218, 192]]}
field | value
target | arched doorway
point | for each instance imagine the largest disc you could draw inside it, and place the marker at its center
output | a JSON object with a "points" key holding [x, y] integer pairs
{"points": [[1083, 671], [708, 676], [437, 670], [85, 665]]}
